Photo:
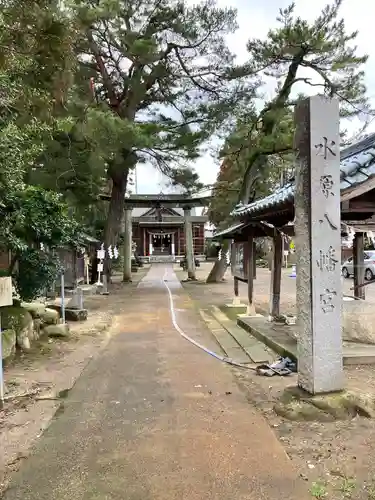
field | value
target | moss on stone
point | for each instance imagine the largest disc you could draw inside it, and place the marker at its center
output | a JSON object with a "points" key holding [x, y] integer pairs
{"points": [[14, 317], [36, 309], [50, 317], [8, 338], [296, 404]]}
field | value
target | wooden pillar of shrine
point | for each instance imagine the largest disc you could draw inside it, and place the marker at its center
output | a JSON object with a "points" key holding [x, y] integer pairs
{"points": [[359, 265], [250, 275], [277, 263]]}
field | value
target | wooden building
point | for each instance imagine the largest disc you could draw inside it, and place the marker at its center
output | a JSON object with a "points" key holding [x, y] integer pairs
{"points": [[274, 216], [158, 233]]}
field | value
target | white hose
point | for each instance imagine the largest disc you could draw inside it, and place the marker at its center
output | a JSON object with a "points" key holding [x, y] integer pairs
{"points": [[194, 342]]}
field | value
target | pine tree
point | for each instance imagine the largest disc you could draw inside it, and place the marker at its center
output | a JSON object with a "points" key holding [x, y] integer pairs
{"points": [[327, 52], [163, 82]]}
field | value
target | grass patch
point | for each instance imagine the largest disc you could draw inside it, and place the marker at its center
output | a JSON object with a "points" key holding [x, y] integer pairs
{"points": [[319, 490]]}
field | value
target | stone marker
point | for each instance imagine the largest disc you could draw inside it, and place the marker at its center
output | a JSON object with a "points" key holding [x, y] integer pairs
{"points": [[318, 245], [76, 302]]}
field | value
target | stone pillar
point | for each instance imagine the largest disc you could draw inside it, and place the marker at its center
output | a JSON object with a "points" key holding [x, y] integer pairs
{"points": [[359, 265], [189, 244], [173, 249], [318, 245], [250, 276], [127, 245], [277, 264], [150, 245]]}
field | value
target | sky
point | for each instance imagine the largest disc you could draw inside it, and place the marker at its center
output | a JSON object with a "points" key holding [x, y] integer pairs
{"points": [[255, 18]]}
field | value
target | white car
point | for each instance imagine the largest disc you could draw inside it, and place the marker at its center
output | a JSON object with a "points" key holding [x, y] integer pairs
{"points": [[369, 263]]}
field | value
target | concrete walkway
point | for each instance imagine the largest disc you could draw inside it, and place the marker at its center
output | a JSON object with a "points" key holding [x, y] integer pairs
{"points": [[156, 418]]}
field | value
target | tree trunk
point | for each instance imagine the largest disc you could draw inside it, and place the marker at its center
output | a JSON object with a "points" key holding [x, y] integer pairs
{"points": [[115, 212], [218, 270], [118, 173]]}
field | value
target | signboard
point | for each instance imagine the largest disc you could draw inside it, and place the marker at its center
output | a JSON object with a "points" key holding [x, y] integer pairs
{"points": [[6, 296], [239, 260]]}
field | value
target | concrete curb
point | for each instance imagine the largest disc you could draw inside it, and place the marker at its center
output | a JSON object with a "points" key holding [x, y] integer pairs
{"points": [[272, 344]]}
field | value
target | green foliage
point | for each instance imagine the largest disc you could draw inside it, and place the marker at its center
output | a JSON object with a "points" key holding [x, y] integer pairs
{"points": [[318, 490], [36, 273], [33, 218], [187, 178], [36, 61], [324, 47]]}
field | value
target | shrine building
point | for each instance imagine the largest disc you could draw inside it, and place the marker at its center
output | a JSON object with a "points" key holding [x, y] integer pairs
{"points": [[159, 234], [165, 227]]}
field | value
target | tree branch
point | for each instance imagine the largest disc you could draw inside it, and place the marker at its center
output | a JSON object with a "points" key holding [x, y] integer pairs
{"points": [[111, 92]]}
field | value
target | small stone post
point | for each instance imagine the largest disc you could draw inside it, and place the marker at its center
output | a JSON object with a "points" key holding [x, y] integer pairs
{"points": [[127, 246], [190, 262], [318, 245]]}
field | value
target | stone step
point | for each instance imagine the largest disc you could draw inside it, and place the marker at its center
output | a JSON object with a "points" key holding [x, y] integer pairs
{"points": [[255, 349], [227, 343]]}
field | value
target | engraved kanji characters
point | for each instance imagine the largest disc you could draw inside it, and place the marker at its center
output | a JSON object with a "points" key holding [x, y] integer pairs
{"points": [[325, 147], [327, 260], [326, 185], [327, 300], [332, 225]]}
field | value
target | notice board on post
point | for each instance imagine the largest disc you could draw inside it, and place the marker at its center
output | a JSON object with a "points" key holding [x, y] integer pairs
{"points": [[240, 260]]}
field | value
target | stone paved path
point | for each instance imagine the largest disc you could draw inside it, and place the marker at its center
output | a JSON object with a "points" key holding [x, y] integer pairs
{"points": [[155, 418]]}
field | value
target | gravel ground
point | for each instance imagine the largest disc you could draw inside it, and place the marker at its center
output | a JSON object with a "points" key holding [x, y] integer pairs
{"points": [[335, 458]]}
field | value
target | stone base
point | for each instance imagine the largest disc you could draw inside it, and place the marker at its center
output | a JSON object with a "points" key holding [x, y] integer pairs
{"points": [[296, 404], [76, 314], [236, 304], [71, 314], [250, 312]]}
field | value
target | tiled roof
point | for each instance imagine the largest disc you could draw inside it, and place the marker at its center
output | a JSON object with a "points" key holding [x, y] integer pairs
{"points": [[357, 164], [228, 231]]}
